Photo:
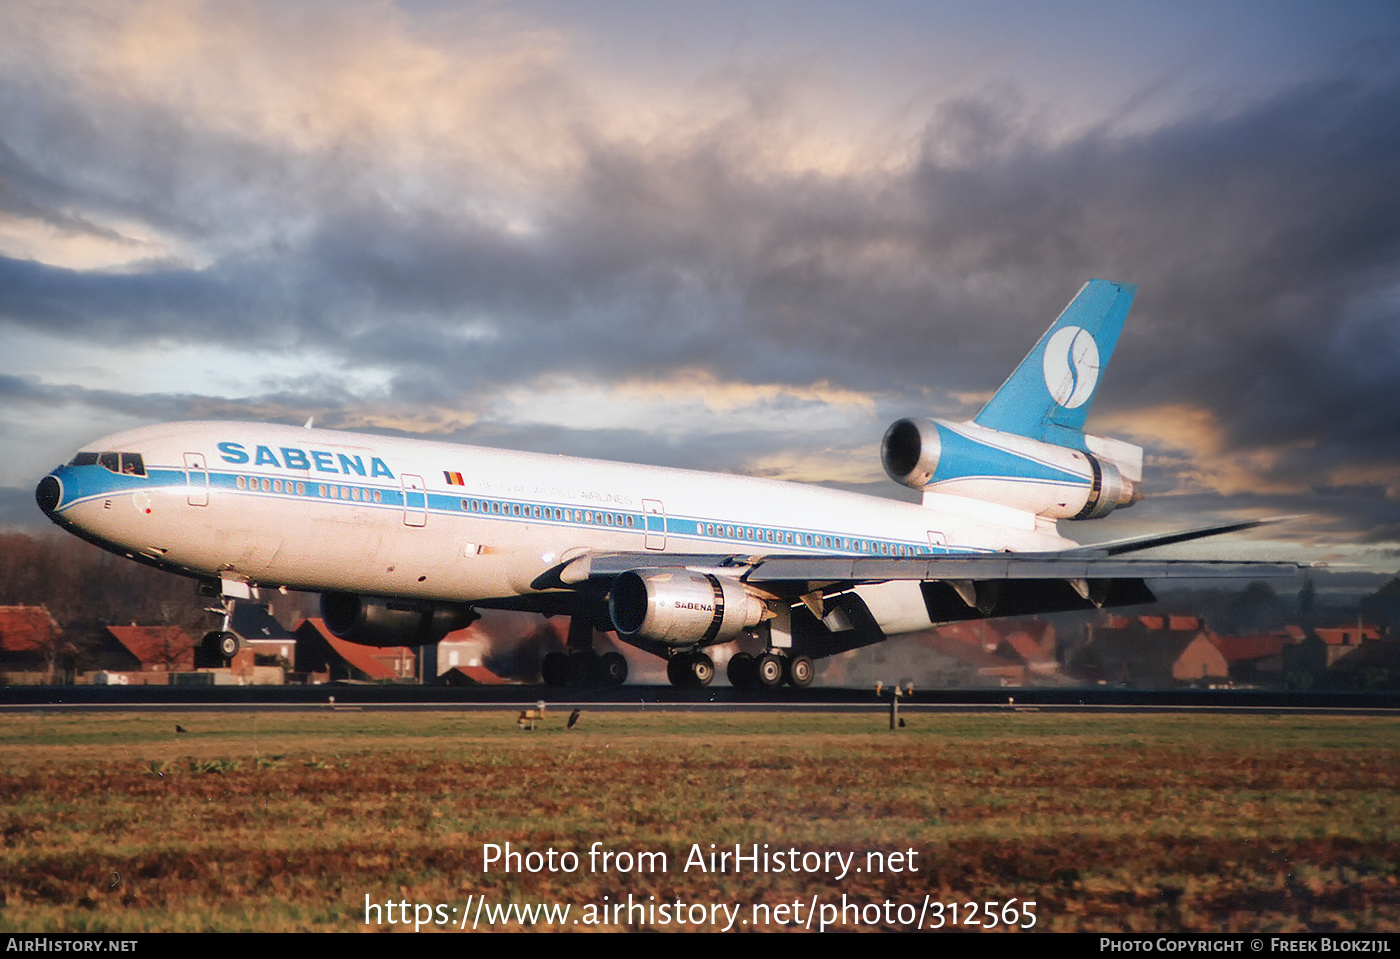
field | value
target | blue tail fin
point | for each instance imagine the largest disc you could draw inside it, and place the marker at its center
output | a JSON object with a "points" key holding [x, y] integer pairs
{"points": [[1048, 396]]}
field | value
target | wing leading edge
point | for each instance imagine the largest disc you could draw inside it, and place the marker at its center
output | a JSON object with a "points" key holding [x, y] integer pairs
{"points": [[775, 571]]}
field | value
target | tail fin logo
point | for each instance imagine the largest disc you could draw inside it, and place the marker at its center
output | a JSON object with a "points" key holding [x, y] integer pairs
{"points": [[1071, 365]]}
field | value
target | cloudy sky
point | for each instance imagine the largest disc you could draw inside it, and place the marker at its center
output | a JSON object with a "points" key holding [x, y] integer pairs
{"points": [[724, 235]]}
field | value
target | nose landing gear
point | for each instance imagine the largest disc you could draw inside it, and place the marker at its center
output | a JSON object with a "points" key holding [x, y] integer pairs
{"points": [[219, 646]]}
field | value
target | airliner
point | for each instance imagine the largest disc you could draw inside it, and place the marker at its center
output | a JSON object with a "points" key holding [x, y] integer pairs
{"points": [[407, 540]]}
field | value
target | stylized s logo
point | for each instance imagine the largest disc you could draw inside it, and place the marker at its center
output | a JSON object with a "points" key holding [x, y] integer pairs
{"points": [[1071, 364]]}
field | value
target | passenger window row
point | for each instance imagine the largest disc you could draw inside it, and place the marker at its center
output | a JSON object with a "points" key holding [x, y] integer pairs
{"points": [[324, 491], [560, 514]]}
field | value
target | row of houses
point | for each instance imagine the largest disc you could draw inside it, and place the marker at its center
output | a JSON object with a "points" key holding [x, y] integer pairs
{"points": [[1139, 651], [34, 649], [1149, 652], [1156, 651]]}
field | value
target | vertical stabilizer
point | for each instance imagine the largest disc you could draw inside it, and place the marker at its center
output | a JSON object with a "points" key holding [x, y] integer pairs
{"points": [[1048, 396]]}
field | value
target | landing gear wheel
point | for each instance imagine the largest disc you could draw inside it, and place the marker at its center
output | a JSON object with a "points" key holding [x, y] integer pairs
{"points": [[229, 645], [612, 669], [210, 653], [768, 670], [221, 644], [690, 670], [554, 669], [741, 671], [798, 671]]}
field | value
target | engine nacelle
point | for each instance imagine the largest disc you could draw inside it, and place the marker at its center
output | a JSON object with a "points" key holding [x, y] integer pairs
{"points": [[372, 622], [681, 608], [964, 459], [910, 452]]}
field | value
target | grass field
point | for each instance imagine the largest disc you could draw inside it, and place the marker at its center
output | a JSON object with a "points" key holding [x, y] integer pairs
{"points": [[289, 820]]}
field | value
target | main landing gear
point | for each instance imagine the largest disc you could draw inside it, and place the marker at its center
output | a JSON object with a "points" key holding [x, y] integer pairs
{"points": [[767, 670], [691, 669], [581, 666]]}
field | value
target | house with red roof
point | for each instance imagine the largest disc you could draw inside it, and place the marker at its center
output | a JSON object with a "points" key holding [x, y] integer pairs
{"points": [[146, 649], [1145, 651], [1254, 659]]}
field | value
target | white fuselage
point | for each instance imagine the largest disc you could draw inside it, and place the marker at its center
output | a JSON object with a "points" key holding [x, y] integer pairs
{"points": [[323, 510]]}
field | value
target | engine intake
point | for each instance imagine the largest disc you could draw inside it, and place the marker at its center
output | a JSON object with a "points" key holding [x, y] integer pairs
{"points": [[681, 607], [910, 452]]}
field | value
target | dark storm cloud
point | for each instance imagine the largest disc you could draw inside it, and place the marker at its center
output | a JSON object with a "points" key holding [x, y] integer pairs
{"points": [[1266, 239], [1265, 242], [17, 390], [27, 392], [1244, 232], [123, 308], [19, 510], [118, 156]]}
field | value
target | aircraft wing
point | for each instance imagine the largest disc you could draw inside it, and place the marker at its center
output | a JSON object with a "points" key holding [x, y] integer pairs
{"points": [[834, 603], [775, 571]]}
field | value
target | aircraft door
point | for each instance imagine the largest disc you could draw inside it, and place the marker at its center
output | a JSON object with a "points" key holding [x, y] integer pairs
{"points": [[415, 500], [937, 542], [196, 480], [654, 515]]}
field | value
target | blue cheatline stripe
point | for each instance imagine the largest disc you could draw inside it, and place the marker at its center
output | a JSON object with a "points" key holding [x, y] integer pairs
{"points": [[87, 483]]}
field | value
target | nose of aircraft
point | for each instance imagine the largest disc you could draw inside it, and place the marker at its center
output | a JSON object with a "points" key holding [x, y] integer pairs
{"points": [[48, 494]]}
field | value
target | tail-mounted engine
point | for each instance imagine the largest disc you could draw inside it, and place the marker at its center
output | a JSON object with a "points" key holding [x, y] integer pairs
{"points": [[679, 607], [371, 622], [1058, 482]]}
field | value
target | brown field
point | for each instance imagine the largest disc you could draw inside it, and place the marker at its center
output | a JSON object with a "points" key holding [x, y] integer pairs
{"points": [[288, 821]]}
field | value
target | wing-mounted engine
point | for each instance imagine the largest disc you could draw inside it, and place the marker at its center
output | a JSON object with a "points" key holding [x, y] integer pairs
{"points": [[374, 622], [1057, 482], [680, 607]]}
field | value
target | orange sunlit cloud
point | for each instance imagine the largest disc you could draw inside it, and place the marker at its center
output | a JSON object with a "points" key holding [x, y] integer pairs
{"points": [[1192, 441]]}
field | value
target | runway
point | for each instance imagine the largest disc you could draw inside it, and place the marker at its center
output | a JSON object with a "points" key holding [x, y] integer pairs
{"points": [[332, 696]]}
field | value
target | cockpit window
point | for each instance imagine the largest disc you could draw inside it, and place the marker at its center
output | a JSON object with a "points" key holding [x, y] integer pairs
{"points": [[130, 464]]}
